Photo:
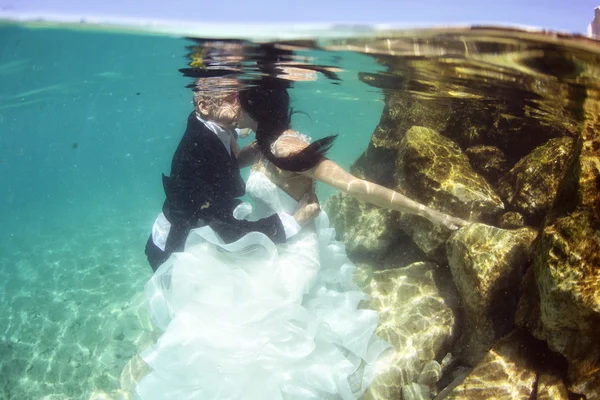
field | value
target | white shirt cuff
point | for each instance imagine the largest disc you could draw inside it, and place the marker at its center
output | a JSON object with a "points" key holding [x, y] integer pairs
{"points": [[290, 225], [160, 231]]}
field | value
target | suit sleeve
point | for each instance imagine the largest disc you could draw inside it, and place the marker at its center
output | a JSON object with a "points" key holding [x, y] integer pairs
{"points": [[203, 192], [217, 212], [193, 205], [232, 229]]}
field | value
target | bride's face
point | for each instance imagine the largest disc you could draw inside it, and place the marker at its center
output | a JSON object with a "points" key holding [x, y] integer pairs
{"points": [[246, 122]]}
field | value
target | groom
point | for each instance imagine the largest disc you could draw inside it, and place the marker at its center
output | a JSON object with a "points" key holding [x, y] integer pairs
{"points": [[205, 180]]}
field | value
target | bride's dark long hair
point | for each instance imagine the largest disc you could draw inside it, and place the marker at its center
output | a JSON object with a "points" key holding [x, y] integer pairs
{"points": [[268, 103]]}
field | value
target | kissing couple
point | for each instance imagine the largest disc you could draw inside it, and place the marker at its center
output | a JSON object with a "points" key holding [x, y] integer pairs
{"points": [[257, 301]]}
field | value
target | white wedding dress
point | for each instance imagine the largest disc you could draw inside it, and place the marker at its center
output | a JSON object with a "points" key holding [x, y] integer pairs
{"points": [[255, 321]]}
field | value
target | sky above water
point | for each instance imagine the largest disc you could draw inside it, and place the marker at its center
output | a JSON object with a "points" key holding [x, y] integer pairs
{"points": [[564, 15]]}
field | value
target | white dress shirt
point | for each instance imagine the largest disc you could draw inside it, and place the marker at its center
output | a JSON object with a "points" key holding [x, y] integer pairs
{"points": [[223, 134]]}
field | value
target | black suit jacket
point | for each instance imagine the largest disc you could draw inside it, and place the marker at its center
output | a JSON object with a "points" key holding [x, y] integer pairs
{"points": [[203, 189]]}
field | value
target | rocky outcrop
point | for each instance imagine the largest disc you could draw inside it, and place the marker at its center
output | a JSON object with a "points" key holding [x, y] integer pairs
{"points": [[424, 92], [414, 391], [528, 143], [487, 265], [371, 235], [417, 313], [516, 134], [433, 170], [376, 164], [489, 161], [551, 387], [530, 186], [401, 112], [429, 238], [561, 295], [528, 235], [511, 220], [517, 367], [504, 373], [362, 227]]}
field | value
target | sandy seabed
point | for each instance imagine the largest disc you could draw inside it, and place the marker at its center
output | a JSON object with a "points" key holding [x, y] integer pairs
{"points": [[73, 312]]}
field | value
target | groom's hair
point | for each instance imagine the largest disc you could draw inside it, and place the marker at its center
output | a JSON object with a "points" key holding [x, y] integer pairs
{"points": [[213, 90], [268, 103]]}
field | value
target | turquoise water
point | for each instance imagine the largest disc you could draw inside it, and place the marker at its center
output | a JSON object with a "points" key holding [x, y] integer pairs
{"points": [[495, 126], [88, 122]]}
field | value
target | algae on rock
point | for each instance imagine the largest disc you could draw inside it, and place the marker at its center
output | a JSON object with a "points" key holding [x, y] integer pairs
{"points": [[361, 226], [433, 169], [510, 370], [417, 308], [489, 161], [531, 185], [561, 295], [487, 265]]}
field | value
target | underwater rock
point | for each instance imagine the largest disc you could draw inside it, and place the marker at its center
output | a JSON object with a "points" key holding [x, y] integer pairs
{"points": [[469, 124], [551, 387], [560, 301], [487, 265], [584, 378], [415, 391], [417, 315], [517, 134], [376, 164], [400, 255], [402, 111], [362, 275], [458, 376], [528, 307], [530, 186], [506, 372], [527, 234], [362, 227], [425, 91], [428, 237], [430, 374], [489, 161], [433, 169], [517, 367], [370, 235], [511, 220]]}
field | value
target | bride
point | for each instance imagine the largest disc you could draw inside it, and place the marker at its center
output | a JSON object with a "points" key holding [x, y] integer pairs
{"points": [[253, 320]]}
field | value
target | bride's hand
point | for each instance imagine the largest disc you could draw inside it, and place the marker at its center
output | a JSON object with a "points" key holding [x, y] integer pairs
{"points": [[308, 208], [448, 221]]}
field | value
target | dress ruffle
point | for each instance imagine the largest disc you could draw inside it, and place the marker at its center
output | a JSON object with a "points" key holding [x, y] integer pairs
{"points": [[254, 321]]}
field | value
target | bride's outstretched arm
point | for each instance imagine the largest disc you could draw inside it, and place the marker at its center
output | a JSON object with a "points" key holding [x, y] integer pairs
{"points": [[335, 176]]}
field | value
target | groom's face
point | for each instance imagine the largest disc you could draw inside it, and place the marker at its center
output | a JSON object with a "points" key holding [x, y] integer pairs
{"points": [[227, 110], [222, 108]]}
